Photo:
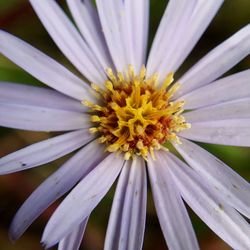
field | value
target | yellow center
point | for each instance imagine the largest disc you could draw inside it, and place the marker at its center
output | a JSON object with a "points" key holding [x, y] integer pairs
{"points": [[136, 115]]}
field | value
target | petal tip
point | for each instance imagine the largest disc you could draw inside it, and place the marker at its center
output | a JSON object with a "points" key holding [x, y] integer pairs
{"points": [[12, 236]]}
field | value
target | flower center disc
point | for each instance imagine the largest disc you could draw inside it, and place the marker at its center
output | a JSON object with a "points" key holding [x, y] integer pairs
{"points": [[135, 114]]}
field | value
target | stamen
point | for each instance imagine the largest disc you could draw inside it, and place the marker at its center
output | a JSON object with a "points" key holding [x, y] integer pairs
{"points": [[95, 118], [136, 116], [168, 80]]}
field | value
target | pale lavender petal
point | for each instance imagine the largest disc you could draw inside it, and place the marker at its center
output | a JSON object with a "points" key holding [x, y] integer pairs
{"points": [[43, 152], [225, 132], [37, 96], [226, 182], [82, 199], [68, 39], [74, 239], [41, 118], [55, 186], [137, 19], [226, 222], [127, 218], [173, 216], [172, 27], [42, 67], [87, 19], [111, 14], [226, 89], [237, 109], [216, 62], [202, 15]]}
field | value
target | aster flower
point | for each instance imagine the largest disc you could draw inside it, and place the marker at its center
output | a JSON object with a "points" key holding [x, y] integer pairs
{"points": [[120, 117]]}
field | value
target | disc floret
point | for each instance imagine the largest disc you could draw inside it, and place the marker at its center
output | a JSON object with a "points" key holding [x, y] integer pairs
{"points": [[136, 115]]}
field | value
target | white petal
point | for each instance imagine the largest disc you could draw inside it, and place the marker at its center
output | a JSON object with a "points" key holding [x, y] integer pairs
{"points": [[237, 109], [216, 62], [226, 89], [82, 199], [222, 219], [137, 19], [55, 186], [111, 15], [74, 239], [87, 19], [68, 39], [173, 216], [36, 96], [41, 118], [227, 183], [43, 152], [168, 36], [42, 67], [225, 132], [127, 218]]}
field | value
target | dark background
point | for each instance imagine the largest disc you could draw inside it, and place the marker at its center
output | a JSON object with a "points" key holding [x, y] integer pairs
{"points": [[18, 18]]}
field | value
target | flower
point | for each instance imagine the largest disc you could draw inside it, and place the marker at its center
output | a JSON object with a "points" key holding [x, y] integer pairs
{"points": [[121, 122]]}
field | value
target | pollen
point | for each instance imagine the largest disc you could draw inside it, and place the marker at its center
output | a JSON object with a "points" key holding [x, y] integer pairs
{"points": [[135, 114]]}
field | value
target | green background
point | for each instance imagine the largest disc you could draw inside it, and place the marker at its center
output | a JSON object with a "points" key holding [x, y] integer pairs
{"points": [[18, 18]]}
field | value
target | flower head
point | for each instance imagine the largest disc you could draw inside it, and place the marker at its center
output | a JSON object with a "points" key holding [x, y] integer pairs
{"points": [[120, 118], [136, 115]]}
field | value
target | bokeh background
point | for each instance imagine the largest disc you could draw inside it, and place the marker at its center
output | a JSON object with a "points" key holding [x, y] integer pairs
{"points": [[18, 18]]}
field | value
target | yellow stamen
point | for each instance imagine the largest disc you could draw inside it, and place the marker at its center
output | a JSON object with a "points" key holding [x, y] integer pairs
{"points": [[95, 118], [136, 115], [168, 80], [93, 130]]}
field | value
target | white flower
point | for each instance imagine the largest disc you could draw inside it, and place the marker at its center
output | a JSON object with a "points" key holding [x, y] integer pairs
{"points": [[133, 117]]}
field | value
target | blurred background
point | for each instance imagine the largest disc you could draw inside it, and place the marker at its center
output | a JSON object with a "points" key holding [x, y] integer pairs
{"points": [[18, 18]]}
